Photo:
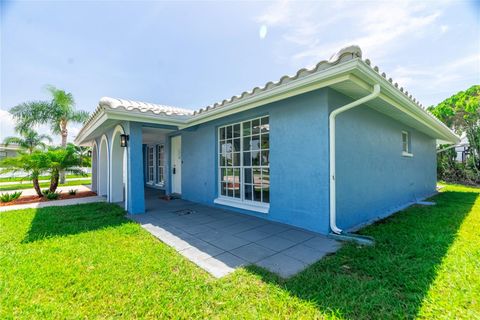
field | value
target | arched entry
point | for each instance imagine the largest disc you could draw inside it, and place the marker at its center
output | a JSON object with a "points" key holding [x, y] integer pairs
{"points": [[94, 167], [118, 168], [103, 167]]}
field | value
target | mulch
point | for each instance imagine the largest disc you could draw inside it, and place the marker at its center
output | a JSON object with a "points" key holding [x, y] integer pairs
{"points": [[35, 198]]}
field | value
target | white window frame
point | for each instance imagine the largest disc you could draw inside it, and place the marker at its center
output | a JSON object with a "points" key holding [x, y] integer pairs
{"points": [[154, 165], [241, 202], [160, 156], [150, 165], [406, 145]]}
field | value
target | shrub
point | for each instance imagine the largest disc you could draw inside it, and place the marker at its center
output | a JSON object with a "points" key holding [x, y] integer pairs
{"points": [[7, 197], [72, 192], [45, 192], [52, 195]]}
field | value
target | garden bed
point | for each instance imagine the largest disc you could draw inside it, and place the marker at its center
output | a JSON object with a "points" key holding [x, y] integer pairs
{"points": [[36, 198]]}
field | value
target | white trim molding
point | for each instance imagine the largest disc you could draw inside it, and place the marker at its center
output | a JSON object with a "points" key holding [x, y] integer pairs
{"points": [[95, 151], [257, 207], [103, 139], [346, 66], [117, 131]]}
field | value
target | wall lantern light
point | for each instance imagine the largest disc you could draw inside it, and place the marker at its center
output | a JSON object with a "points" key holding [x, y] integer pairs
{"points": [[89, 153], [123, 140]]}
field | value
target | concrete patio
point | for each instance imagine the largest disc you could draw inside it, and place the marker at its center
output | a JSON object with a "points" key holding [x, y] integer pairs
{"points": [[220, 241]]}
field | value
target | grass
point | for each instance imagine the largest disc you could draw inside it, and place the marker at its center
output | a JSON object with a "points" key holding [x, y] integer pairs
{"points": [[21, 179], [18, 186], [90, 262]]}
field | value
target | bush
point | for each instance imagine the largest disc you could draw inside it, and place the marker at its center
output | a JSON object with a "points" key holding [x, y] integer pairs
{"points": [[52, 195], [45, 192], [72, 192], [7, 197], [452, 171]]}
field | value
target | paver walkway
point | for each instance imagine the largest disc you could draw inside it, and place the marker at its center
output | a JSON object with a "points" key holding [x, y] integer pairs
{"points": [[220, 241]]}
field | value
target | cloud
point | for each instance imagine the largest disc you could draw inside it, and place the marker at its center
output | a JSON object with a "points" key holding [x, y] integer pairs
{"points": [[7, 125], [446, 78], [276, 14], [320, 29], [7, 129], [414, 39]]}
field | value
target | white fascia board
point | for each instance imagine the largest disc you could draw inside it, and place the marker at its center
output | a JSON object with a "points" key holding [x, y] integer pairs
{"points": [[144, 117], [399, 100], [100, 118], [340, 73], [295, 87], [124, 115]]}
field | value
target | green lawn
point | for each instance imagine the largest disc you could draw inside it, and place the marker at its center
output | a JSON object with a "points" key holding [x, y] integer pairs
{"points": [[90, 262], [18, 186], [20, 179]]}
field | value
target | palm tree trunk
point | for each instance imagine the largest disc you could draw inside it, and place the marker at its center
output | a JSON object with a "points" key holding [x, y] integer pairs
{"points": [[36, 186], [64, 145], [54, 181]]}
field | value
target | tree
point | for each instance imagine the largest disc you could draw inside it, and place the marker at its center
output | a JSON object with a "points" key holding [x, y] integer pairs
{"points": [[29, 140], [51, 161], [61, 159], [461, 112], [57, 113], [82, 153], [34, 164]]}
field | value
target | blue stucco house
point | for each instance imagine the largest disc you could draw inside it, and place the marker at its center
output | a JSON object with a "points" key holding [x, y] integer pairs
{"points": [[328, 149]]}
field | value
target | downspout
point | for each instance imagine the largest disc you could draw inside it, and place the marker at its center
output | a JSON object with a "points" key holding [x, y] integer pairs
{"points": [[333, 210]]}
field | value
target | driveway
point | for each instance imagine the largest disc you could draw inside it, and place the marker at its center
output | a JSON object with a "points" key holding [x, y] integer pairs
{"points": [[220, 241]]}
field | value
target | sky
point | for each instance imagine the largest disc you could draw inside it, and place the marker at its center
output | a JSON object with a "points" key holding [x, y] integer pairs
{"points": [[193, 54]]}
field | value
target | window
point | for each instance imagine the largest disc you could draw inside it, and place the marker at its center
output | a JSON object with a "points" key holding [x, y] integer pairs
{"points": [[150, 162], [244, 161], [160, 164], [406, 144]]}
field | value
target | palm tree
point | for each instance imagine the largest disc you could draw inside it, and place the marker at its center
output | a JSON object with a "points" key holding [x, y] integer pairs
{"points": [[57, 113], [61, 159], [29, 140], [83, 154], [34, 164]]}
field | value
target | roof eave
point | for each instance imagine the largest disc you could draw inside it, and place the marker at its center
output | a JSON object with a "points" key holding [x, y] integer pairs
{"points": [[395, 96], [308, 83], [104, 114]]}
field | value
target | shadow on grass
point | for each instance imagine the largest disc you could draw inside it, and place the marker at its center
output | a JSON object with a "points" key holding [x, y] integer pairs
{"points": [[69, 220], [391, 279]]}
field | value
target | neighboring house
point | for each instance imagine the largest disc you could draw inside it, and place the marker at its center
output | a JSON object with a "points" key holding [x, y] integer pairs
{"points": [[462, 149], [289, 151], [8, 151]]}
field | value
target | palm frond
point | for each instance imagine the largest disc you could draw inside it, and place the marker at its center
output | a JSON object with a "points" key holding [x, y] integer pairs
{"points": [[29, 114], [12, 140], [79, 116]]}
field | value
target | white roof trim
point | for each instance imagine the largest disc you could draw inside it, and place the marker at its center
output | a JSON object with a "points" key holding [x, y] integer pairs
{"points": [[338, 65], [114, 103]]}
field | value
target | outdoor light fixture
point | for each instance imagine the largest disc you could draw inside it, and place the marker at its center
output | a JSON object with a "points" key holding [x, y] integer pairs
{"points": [[123, 140], [89, 153]]}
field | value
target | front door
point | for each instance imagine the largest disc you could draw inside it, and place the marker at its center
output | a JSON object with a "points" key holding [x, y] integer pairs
{"points": [[176, 164]]}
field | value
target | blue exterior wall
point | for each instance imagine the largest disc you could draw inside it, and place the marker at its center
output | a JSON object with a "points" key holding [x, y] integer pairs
{"points": [[135, 191], [373, 178], [298, 160]]}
